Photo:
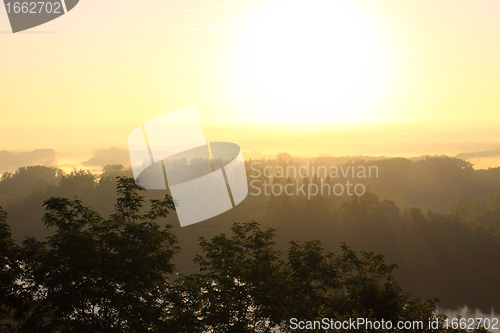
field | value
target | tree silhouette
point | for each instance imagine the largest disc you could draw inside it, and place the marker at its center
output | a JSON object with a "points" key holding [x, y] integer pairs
{"points": [[96, 274]]}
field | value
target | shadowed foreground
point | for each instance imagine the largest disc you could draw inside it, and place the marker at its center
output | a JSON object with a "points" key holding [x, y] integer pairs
{"points": [[116, 275]]}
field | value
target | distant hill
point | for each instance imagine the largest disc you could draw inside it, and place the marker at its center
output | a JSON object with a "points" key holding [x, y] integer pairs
{"points": [[11, 161], [487, 153], [111, 155]]}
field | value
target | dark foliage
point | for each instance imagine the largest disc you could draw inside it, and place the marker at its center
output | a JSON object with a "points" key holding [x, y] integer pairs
{"points": [[115, 275]]}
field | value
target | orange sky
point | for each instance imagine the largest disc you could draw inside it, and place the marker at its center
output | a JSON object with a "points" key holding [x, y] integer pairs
{"points": [[119, 62]]}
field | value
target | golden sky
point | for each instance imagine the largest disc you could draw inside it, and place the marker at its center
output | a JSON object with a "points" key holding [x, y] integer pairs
{"points": [[122, 62]]}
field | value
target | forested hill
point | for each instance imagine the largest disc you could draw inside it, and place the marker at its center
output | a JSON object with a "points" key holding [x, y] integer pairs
{"points": [[425, 182], [117, 274], [453, 246]]}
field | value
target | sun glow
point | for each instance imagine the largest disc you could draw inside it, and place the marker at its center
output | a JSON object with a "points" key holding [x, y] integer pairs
{"points": [[319, 60]]}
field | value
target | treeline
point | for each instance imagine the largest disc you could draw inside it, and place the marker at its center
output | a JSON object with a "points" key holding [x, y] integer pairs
{"points": [[23, 192], [426, 183], [11, 160], [116, 274], [453, 255]]}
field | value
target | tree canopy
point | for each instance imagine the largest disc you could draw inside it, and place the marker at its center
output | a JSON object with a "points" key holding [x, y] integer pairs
{"points": [[116, 274]]}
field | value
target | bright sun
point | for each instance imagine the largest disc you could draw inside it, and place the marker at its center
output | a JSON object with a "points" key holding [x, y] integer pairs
{"points": [[320, 55]]}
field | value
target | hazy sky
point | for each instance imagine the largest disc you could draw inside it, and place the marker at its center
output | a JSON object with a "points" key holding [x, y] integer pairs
{"points": [[122, 62]]}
